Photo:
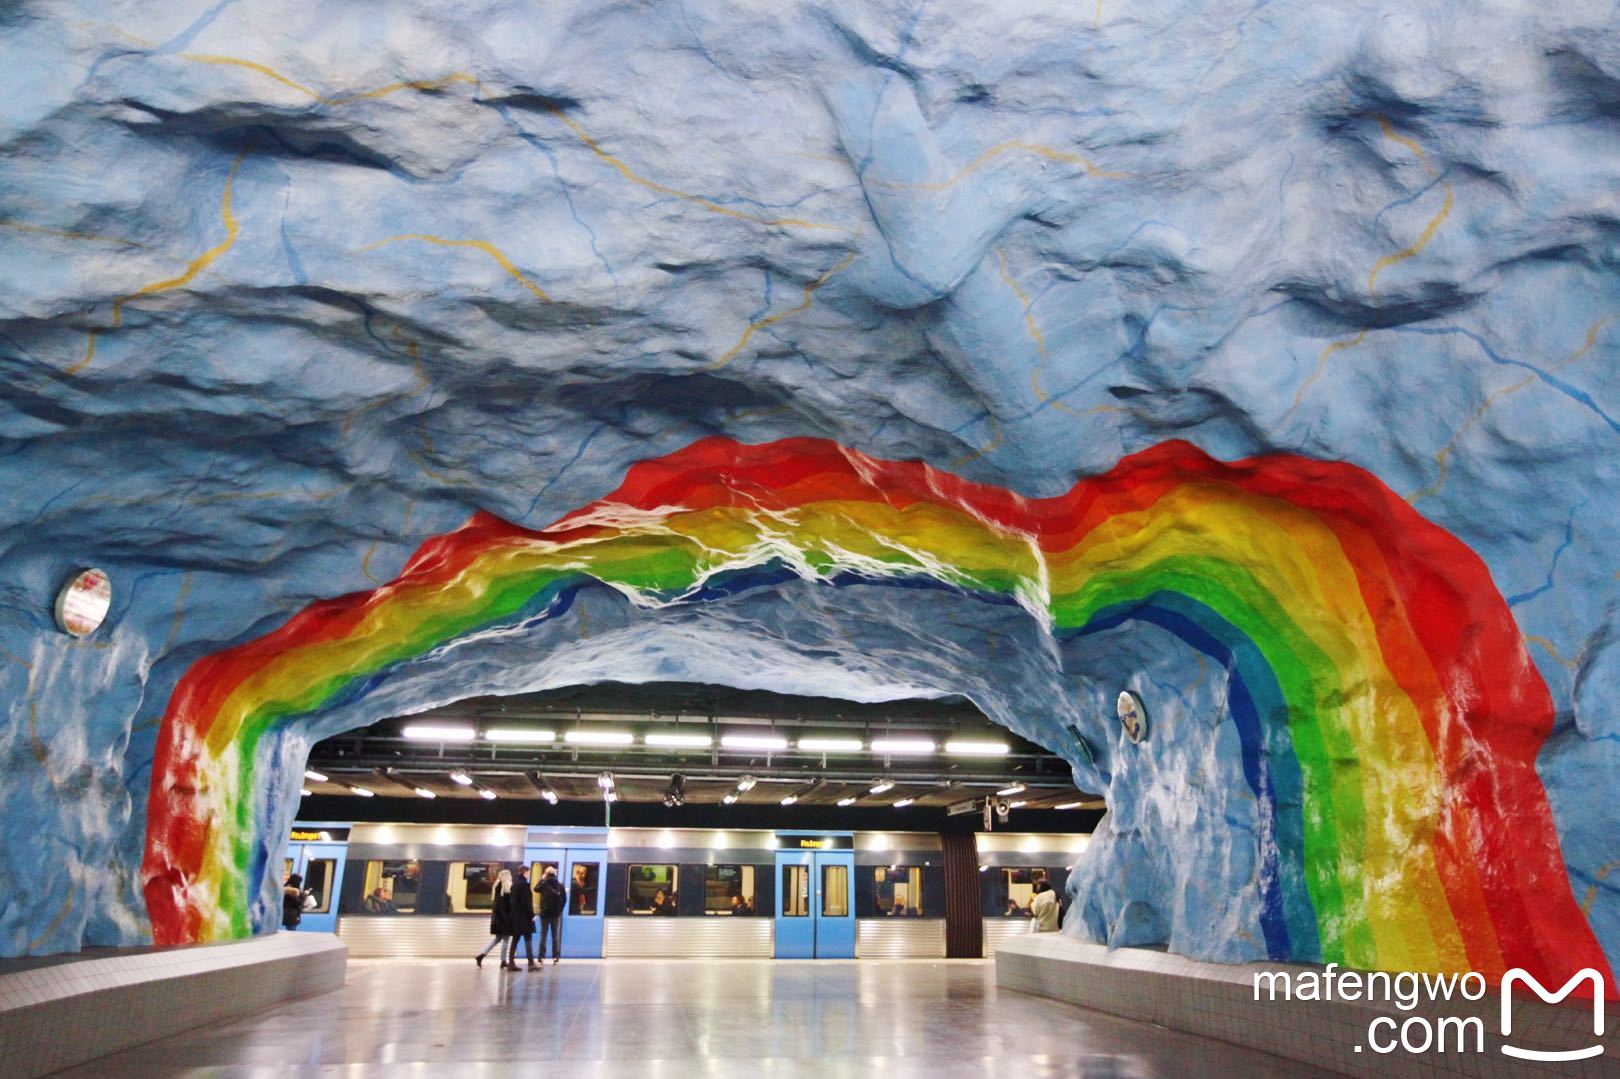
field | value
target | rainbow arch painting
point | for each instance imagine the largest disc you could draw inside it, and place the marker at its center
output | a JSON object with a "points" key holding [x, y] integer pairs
{"points": [[1388, 712]]}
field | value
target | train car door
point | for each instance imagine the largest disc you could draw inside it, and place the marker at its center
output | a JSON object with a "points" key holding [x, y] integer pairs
{"points": [[581, 870], [321, 866], [815, 912]]}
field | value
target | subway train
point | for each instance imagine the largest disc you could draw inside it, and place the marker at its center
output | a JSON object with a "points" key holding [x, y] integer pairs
{"points": [[425, 889]]}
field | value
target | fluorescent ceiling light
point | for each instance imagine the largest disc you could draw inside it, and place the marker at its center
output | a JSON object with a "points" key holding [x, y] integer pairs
{"points": [[902, 803], [519, 734], [902, 745], [1069, 805], [846, 801], [830, 745], [461, 778], [1018, 805], [790, 799], [316, 776], [746, 783], [695, 741], [598, 738], [728, 799], [423, 792], [883, 785], [753, 741], [1016, 788], [362, 792], [485, 792], [433, 732], [977, 749], [304, 793]]}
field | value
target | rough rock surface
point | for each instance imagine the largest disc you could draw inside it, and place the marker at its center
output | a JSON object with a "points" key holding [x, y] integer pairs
{"points": [[287, 288]]}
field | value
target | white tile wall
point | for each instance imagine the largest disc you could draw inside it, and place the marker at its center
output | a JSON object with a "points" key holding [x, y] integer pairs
{"points": [[1216, 1000], [57, 1016]]}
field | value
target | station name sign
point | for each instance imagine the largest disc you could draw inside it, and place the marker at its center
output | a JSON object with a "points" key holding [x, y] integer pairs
{"points": [[323, 835], [815, 842]]}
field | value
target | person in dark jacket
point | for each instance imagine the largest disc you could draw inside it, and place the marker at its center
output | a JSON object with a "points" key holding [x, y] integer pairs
{"points": [[500, 918], [292, 902], [520, 906], [553, 896]]}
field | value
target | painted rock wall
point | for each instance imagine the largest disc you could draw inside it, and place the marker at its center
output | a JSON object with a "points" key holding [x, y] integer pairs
{"points": [[292, 293]]}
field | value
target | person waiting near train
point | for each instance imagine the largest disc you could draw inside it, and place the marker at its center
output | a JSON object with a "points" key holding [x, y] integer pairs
{"points": [[500, 917], [378, 903], [739, 905], [1044, 908], [1013, 909], [552, 897], [293, 897], [520, 904], [663, 902]]}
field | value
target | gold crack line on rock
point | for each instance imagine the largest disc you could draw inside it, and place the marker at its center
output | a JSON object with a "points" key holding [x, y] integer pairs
{"points": [[193, 268], [1383, 263], [804, 305], [365, 560], [67, 905], [480, 245], [995, 425], [664, 189], [1443, 458], [1552, 650], [1051, 153], [1599, 877], [421, 85]]}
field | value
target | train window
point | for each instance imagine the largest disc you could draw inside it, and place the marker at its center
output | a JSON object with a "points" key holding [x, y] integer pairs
{"points": [[795, 891], [897, 891], [650, 889], [391, 886], [582, 886], [318, 877], [1018, 888], [728, 889], [472, 886], [835, 891]]}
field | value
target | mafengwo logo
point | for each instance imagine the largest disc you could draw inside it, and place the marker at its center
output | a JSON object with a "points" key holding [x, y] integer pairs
{"points": [[1515, 977]]}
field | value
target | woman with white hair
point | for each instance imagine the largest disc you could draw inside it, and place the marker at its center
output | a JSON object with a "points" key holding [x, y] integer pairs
{"points": [[500, 918]]}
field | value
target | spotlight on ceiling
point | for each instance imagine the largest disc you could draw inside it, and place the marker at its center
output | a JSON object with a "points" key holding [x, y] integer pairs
{"points": [[541, 787], [1017, 805], [362, 792], [902, 803], [305, 793], [486, 794], [316, 776], [1069, 805], [882, 785], [846, 801], [460, 778], [790, 799], [746, 783], [728, 799], [423, 792], [1016, 788], [605, 781]]}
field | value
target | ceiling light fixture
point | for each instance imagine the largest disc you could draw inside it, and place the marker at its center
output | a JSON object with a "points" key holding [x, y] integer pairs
{"points": [[438, 732], [487, 794], [846, 801], [902, 803], [882, 785], [598, 738], [676, 794], [1016, 788], [1069, 805], [753, 741], [305, 793], [679, 741], [362, 792], [605, 781], [902, 745], [728, 799], [423, 792], [977, 749], [519, 734], [461, 778], [746, 783], [541, 786], [830, 745], [316, 776], [790, 799], [1018, 805]]}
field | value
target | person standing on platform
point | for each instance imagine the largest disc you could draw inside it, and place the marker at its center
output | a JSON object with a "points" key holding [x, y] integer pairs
{"points": [[500, 918], [552, 898], [292, 902], [1045, 908], [520, 904]]}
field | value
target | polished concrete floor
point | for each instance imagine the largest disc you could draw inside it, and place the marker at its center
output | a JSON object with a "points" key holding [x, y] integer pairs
{"points": [[876, 1019]]}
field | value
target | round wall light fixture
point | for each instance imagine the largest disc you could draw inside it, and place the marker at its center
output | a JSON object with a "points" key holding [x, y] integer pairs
{"points": [[82, 604], [1133, 717]]}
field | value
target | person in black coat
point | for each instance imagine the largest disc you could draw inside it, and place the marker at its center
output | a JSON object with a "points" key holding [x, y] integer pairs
{"points": [[292, 902], [552, 898], [520, 908], [500, 918]]}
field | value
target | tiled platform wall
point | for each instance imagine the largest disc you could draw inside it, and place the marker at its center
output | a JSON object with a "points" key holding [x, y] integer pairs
{"points": [[56, 1015], [1217, 1001]]}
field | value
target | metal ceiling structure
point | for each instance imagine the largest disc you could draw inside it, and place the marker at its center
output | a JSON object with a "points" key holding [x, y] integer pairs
{"points": [[477, 759]]}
